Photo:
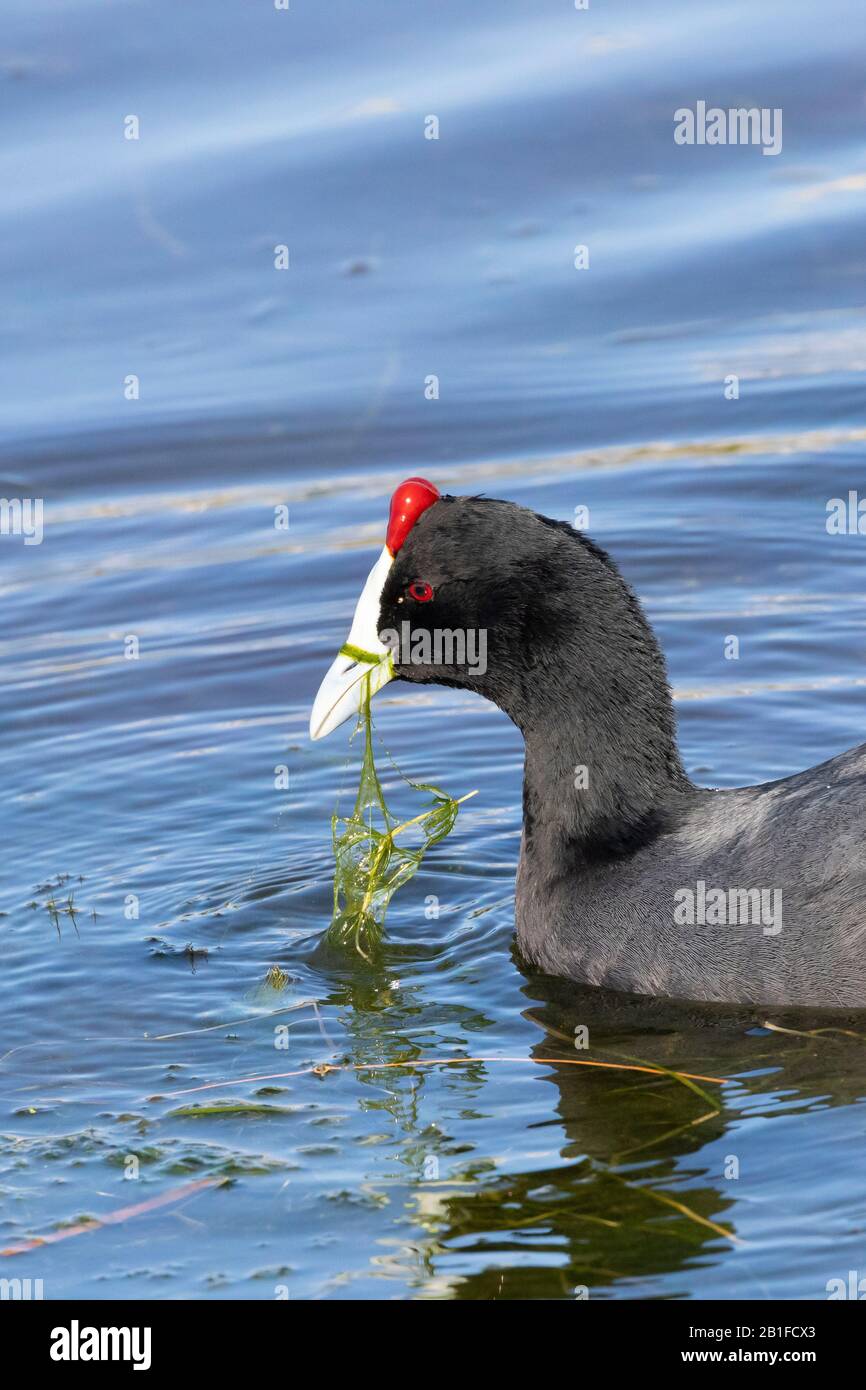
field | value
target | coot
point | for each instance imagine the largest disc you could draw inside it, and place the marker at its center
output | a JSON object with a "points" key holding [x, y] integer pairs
{"points": [[630, 876]]}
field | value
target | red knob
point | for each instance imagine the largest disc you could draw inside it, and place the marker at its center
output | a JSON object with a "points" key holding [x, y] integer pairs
{"points": [[410, 499]]}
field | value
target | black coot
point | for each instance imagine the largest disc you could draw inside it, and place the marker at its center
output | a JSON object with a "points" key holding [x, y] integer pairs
{"points": [[630, 876]]}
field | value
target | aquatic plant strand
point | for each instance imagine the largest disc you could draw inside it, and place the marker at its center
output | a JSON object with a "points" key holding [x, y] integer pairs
{"points": [[369, 865]]}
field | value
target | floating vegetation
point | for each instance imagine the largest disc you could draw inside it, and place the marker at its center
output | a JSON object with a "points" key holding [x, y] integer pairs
{"points": [[369, 864], [162, 949], [277, 978], [83, 1224], [413, 1063], [58, 900], [243, 1109]]}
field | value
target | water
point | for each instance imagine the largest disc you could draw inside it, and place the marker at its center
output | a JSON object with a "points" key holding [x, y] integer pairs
{"points": [[152, 782]]}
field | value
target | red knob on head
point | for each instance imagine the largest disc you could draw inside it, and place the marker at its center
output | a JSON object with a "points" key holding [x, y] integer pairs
{"points": [[410, 499]]}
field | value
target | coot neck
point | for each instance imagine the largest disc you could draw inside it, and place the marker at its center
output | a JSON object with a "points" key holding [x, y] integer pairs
{"points": [[602, 774]]}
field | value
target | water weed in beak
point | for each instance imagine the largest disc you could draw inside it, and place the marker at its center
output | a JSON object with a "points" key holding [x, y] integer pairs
{"points": [[369, 863]]}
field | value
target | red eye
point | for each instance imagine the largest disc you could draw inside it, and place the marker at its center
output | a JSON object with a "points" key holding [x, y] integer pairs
{"points": [[420, 591]]}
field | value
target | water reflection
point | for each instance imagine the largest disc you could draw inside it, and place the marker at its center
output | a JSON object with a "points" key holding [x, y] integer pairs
{"points": [[647, 1177]]}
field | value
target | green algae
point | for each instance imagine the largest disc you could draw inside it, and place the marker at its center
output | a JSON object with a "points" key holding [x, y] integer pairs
{"points": [[369, 864], [243, 1109]]}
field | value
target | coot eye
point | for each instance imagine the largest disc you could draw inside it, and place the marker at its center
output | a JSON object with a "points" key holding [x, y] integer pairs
{"points": [[420, 591]]}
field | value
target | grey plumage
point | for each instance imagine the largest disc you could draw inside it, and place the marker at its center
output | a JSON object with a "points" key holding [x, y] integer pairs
{"points": [[606, 868]]}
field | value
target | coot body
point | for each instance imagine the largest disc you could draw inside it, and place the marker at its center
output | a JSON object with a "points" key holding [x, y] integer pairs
{"points": [[630, 876]]}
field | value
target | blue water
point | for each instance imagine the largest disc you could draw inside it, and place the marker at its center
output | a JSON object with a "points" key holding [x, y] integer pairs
{"points": [[150, 780]]}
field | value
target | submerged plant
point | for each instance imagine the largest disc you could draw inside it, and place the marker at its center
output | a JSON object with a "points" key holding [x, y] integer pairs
{"points": [[369, 863], [276, 978]]}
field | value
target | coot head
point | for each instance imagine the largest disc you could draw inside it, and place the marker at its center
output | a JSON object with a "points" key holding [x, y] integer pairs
{"points": [[551, 633]]}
